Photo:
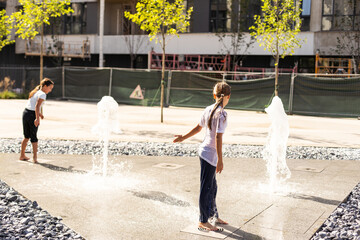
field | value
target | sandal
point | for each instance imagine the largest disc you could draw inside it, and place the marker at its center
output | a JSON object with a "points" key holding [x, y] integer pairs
{"points": [[202, 229]]}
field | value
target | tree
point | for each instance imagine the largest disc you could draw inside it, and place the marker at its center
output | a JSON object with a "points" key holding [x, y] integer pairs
{"points": [[161, 18], [5, 29], [348, 43], [30, 19], [237, 37], [277, 28], [134, 37]]}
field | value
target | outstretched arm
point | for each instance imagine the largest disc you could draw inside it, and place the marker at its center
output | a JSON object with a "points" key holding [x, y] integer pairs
{"points": [[180, 138]]}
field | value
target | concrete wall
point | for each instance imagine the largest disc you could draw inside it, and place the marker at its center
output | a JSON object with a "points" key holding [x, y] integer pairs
{"points": [[315, 16], [190, 43]]}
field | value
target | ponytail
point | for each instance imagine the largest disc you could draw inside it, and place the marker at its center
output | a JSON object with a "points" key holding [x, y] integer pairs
{"points": [[214, 109], [221, 90], [44, 82], [37, 88]]}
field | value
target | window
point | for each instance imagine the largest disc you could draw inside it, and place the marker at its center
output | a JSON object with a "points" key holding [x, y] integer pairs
{"points": [[305, 15], [219, 21], [248, 9], [341, 15], [73, 23]]}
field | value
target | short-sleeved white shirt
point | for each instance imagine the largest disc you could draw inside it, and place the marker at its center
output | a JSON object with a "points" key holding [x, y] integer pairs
{"points": [[207, 149], [31, 103]]}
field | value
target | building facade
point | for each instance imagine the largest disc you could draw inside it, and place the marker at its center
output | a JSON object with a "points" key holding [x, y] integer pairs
{"points": [[124, 45]]}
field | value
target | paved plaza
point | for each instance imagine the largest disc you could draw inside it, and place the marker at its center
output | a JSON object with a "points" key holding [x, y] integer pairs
{"points": [[157, 197]]}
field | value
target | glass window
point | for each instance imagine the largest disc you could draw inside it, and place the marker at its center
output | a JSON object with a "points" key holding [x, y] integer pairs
{"points": [[343, 23], [218, 16], [340, 15], [357, 7], [327, 7], [306, 7], [326, 23], [344, 7], [73, 23], [248, 9]]}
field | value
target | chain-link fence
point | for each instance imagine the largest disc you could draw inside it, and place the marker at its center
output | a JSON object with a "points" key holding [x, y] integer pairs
{"points": [[305, 94]]}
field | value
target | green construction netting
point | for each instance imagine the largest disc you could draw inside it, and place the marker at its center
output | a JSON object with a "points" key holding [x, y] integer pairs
{"points": [[195, 90], [124, 83], [32, 79], [87, 84], [326, 96]]}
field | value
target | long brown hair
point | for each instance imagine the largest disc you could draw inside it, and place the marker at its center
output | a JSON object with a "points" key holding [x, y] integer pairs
{"points": [[44, 82], [221, 90]]}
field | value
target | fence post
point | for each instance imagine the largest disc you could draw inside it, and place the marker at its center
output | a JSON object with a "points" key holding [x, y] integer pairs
{"points": [[110, 82], [291, 94], [63, 82], [168, 89], [23, 84]]}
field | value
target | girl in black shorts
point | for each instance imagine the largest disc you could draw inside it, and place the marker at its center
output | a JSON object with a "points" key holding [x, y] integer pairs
{"points": [[31, 117]]}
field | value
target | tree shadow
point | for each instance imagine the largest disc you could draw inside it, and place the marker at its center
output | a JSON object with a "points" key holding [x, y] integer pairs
{"points": [[160, 197], [70, 169], [315, 199]]}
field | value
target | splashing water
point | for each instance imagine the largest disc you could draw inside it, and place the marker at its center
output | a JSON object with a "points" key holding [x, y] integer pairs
{"points": [[274, 152], [107, 124]]}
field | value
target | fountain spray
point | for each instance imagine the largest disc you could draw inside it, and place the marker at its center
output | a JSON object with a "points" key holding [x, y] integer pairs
{"points": [[274, 152], [107, 123]]}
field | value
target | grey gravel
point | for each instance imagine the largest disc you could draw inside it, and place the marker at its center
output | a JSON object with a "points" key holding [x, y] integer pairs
{"points": [[20, 218], [11, 145], [344, 222]]}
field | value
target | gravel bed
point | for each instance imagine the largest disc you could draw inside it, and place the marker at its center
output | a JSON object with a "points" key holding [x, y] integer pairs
{"points": [[24, 219], [344, 222], [20, 217], [170, 149]]}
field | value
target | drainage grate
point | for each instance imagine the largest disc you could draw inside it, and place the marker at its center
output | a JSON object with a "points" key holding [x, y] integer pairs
{"points": [[309, 169], [168, 165]]}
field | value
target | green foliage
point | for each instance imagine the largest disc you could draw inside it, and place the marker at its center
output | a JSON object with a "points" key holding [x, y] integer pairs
{"points": [[277, 28], [8, 95], [34, 13], [161, 17], [5, 27]]}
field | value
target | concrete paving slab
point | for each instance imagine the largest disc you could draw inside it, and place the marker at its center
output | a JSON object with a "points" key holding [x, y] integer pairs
{"points": [[147, 202], [74, 120], [228, 230]]}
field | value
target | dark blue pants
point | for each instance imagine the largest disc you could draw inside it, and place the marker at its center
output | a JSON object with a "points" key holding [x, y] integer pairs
{"points": [[208, 190]]}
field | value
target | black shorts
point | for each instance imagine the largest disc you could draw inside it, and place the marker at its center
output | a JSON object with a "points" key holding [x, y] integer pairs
{"points": [[29, 128]]}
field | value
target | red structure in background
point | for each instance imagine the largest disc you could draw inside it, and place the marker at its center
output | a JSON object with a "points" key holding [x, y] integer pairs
{"points": [[207, 63], [190, 62]]}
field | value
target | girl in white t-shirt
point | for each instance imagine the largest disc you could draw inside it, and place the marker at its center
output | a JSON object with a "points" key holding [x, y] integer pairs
{"points": [[214, 119], [31, 117]]}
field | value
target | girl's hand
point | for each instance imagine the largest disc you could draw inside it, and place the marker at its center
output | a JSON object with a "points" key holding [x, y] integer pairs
{"points": [[37, 122], [41, 116], [178, 138], [219, 167]]}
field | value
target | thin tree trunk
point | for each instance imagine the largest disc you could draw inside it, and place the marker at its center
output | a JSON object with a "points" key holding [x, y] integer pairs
{"points": [[162, 79], [277, 70], [41, 52]]}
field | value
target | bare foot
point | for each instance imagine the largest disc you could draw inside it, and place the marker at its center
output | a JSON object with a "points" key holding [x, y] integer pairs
{"points": [[220, 221], [24, 158], [207, 226], [35, 160]]}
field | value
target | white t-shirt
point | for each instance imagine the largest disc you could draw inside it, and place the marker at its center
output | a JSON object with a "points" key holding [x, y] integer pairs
{"points": [[207, 149], [31, 103]]}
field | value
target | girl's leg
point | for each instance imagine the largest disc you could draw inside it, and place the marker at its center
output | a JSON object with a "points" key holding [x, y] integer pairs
{"points": [[35, 148], [214, 211], [22, 151], [206, 176]]}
